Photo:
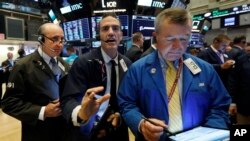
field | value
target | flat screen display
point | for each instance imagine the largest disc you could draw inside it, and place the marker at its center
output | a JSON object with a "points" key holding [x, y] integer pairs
{"points": [[143, 24], [124, 25], [196, 40], [14, 28], [52, 16], [76, 30], [230, 21]]}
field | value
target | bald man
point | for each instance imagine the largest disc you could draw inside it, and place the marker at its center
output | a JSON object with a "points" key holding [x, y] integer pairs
{"points": [[32, 94]]}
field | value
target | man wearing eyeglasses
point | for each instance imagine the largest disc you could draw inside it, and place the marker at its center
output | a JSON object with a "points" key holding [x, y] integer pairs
{"points": [[32, 94]]}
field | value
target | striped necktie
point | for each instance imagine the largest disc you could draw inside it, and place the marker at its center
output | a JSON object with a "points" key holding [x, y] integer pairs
{"points": [[174, 105]]}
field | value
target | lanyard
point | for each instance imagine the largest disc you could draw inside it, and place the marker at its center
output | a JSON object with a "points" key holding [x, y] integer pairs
{"points": [[176, 79]]}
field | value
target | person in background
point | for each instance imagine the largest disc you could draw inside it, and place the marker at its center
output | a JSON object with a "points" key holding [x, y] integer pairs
{"points": [[216, 55], [239, 44], [151, 48], [1, 82], [239, 88], [72, 55], [91, 78], [32, 94], [173, 89], [135, 52], [21, 54], [7, 66]]}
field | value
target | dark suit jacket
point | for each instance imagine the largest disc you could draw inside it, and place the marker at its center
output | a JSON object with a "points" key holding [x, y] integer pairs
{"points": [[134, 53], [235, 52], [239, 84], [8, 67], [32, 85], [211, 57], [88, 71], [148, 51]]}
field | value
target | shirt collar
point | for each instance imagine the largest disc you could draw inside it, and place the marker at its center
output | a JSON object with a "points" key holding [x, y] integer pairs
{"points": [[215, 50], [45, 56], [107, 59], [164, 64]]}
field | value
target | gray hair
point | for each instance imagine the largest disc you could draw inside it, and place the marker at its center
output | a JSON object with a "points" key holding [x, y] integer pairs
{"points": [[174, 15]]}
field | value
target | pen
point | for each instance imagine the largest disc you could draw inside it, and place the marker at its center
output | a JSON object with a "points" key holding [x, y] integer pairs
{"points": [[164, 128]]}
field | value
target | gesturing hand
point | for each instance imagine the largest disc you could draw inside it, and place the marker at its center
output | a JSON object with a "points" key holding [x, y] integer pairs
{"points": [[90, 105]]}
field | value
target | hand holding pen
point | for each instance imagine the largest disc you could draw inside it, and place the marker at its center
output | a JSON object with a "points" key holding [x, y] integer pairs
{"points": [[152, 128]]}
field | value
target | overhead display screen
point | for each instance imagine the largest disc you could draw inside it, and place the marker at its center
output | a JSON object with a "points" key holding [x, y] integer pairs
{"points": [[124, 25], [143, 24], [76, 30]]}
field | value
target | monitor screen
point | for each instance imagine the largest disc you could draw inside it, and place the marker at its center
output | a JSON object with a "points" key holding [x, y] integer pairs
{"points": [[195, 24], [179, 3], [12, 25], [143, 24], [196, 40], [52, 16], [229, 21], [76, 30], [124, 25]]}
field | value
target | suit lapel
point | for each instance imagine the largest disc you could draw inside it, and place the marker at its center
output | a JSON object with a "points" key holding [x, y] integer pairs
{"points": [[42, 65], [215, 56], [155, 71]]}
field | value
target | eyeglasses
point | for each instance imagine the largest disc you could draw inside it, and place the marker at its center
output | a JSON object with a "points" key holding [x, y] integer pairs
{"points": [[56, 39]]}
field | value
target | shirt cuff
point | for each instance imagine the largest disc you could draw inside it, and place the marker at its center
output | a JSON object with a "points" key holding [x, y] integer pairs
{"points": [[140, 125], [233, 104], [74, 117], [41, 114]]}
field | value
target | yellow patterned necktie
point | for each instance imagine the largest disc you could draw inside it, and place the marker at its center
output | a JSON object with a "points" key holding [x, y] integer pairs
{"points": [[174, 105]]}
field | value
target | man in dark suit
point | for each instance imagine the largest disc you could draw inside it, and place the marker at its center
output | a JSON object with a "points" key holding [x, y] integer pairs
{"points": [[215, 55], [88, 84], [239, 88], [239, 43], [32, 94], [7, 65], [135, 52], [151, 49]]}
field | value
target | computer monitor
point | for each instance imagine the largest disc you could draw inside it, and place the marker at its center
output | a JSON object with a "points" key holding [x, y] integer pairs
{"points": [[143, 24], [76, 30], [124, 25]]}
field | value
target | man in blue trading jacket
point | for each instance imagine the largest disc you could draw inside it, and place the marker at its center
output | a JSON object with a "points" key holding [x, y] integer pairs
{"points": [[81, 98], [195, 96], [32, 94]]}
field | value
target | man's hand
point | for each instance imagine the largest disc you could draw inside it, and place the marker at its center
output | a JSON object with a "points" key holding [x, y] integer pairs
{"points": [[232, 109], [115, 119], [150, 131], [90, 105], [53, 109], [228, 64]]}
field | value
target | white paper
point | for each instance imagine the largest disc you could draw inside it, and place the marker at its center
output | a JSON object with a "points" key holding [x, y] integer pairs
{"points": [[202, 134]]}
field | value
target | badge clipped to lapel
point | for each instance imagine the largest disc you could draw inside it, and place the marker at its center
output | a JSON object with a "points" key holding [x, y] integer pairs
{"points": [[192, 66], [123, 64]]}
